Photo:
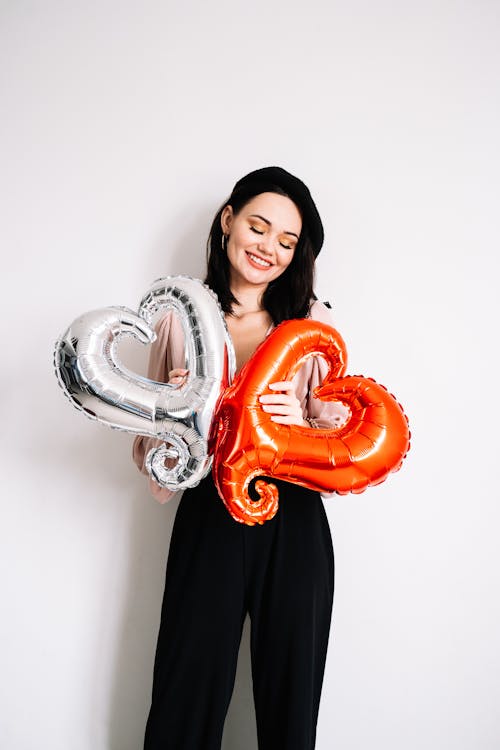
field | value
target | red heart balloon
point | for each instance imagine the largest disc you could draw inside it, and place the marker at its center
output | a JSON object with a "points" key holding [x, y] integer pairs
{"points": [[372, 443]]}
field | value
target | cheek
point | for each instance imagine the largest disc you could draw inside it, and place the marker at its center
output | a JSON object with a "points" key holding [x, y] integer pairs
{"points": [[242, 237], [285, 259], [248, 237]]}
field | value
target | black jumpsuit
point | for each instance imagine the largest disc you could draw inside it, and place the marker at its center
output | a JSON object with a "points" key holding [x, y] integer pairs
{"points": [[282, 573]]}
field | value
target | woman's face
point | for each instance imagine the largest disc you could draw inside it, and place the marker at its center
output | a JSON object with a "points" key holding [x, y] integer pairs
{"points": [[262, 238]]}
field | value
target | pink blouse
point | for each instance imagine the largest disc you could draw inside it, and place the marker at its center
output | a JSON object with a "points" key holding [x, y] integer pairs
{"points": [[167, 353]]}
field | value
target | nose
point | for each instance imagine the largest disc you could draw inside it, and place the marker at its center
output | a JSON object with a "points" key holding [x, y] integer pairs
{"points": [[266, 244]]}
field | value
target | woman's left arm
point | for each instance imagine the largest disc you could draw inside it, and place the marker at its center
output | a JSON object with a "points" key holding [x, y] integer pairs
{"points": [[293, 402], [320, 414]]}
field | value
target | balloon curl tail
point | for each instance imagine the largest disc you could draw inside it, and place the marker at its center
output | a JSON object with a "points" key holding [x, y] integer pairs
{"points": [[240, 505]]}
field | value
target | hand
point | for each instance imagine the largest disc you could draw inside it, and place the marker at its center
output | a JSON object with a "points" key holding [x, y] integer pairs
{"points": [[285, 407], [177, 376]]}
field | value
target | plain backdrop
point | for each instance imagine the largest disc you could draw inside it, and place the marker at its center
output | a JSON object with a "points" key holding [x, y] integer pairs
{"points": [[124, 126]]}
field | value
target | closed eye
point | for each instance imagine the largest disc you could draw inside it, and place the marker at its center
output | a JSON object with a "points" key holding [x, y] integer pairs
{"points": [[256, 230]]}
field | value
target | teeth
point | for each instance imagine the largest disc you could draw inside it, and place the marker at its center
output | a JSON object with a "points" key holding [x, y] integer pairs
{"points": [[259, 260]]}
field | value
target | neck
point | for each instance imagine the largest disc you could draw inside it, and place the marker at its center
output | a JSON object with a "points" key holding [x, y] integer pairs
{"points": [[249, 296]]}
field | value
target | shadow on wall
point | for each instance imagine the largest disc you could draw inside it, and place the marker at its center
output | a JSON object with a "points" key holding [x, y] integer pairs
{"points": [[133, 670], [185, 255], [139, 621]]}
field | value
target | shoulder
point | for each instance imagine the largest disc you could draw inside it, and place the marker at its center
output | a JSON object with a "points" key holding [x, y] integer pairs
{"points": [[319, 311], [168, 325], [169, 333], [163, 322]]}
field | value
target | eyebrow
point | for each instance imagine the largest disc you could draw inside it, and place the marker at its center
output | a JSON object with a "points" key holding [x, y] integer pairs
{"points": [[266, 221]]}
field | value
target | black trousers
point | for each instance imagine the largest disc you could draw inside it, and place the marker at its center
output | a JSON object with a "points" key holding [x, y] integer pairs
{"points": [[282, 573]]}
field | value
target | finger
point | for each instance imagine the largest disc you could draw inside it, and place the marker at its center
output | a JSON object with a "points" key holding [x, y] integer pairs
{"points": [[278, 398], [282, 385], [279, 409], [177, 376], [289, 420]]}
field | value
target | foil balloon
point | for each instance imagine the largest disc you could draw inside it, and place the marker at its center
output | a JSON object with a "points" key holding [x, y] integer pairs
{"points": [[93, 378], [363, 451]]}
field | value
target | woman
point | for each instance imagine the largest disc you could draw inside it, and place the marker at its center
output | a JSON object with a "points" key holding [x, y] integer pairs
{"points": [[261, 252]]}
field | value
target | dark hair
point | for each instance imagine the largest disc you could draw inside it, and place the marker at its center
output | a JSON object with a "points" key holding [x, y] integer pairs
{"points": [[289, 296]]}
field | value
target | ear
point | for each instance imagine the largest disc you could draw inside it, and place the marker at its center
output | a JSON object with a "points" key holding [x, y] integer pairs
{"points": [[226, 219]]}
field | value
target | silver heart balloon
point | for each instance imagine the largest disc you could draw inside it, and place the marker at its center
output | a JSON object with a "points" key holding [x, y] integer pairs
{"points": [[93, 378]]}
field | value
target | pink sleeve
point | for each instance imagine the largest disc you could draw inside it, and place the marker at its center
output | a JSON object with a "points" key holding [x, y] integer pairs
{"points": [[160, 363], [321, 414]]}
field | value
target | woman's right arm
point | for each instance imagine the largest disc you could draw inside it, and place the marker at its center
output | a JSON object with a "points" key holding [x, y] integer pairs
{"points": [[160, 363]]}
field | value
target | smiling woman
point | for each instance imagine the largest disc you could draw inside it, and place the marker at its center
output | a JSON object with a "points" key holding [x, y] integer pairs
{"points": [[261, 252], [259, 249], [257, 238], [287, 294]]}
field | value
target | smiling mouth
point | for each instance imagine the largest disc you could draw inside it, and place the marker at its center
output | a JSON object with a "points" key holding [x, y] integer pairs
{"points": [[259, 261]]}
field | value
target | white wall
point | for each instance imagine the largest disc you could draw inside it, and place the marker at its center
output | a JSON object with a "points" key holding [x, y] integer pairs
{"points": [[124, 125]]}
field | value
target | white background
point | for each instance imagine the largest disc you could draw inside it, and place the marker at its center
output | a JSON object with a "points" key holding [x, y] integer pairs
{"points": [[124, 126]]}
